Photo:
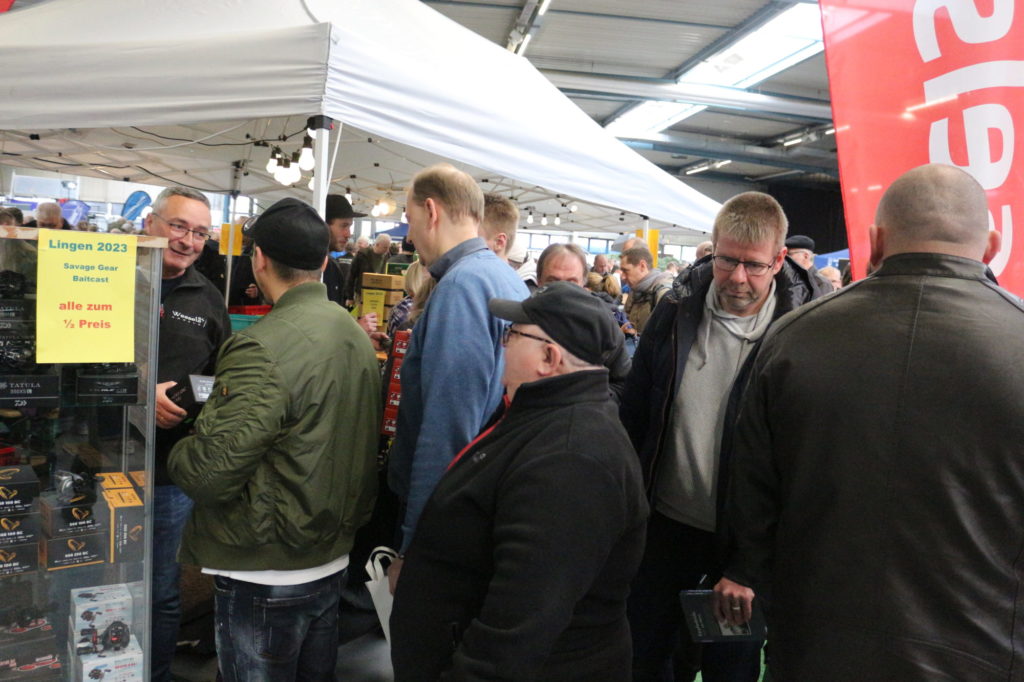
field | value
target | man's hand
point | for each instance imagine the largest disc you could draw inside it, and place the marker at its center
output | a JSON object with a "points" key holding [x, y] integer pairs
{"points": [[168, 415], [369, 323], [732, 602], [393, 570], [252, 291], [380, 340]]}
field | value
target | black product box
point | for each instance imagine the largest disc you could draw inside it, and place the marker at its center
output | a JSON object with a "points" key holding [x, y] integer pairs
{"points": [[19, 486], [63, 519], [17, 559], [32, 658], [17, 529], [190, 394], [16, 309], [18, 391], [78, 550], [107, 388], [123, 513]]}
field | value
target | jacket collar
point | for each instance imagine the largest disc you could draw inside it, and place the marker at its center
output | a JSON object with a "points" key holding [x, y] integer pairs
{"points": [[567, 389], [454, 255], [936, 265], [302, 293]]}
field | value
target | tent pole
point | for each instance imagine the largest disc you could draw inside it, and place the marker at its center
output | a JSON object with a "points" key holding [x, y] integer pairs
{"points": [[321, 181]]}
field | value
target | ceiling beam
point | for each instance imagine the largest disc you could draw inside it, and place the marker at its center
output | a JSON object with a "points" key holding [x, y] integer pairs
{"points": [[710, 95]]}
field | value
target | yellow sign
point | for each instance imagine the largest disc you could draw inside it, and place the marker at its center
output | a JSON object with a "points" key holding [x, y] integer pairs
{"points": [[231, 239], [85, 300], [653, 240]]}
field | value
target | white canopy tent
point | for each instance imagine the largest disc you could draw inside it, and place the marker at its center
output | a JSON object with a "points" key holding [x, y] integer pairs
{"points": [[393, 68]]}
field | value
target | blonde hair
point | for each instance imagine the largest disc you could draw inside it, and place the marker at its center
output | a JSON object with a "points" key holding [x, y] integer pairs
{"points": [[751, 218]]}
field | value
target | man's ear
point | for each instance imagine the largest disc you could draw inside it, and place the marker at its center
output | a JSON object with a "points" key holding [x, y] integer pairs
{"points": [[552, 360], [876, 237], [259, 261], [779, 260], [995, 242], [501, 241], [433, 213]]}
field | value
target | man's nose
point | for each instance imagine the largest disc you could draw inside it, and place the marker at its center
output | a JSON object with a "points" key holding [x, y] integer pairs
{"points": [[739, 274]]}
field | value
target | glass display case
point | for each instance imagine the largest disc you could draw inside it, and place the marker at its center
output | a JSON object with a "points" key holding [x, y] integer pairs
{"points": [[76, 454]]}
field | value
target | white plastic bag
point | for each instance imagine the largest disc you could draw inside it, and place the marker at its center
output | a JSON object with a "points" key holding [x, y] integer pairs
{"points": [[377, 585]]}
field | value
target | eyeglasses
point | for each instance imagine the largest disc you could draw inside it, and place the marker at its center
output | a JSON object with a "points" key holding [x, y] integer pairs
{"points": [[728, 264], [180, 229], [509, 331]]}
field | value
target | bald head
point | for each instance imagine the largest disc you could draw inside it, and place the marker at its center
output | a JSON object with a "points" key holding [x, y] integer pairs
{"points": [[934, 209]]}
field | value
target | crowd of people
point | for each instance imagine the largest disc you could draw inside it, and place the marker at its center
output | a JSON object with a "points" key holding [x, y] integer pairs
{"points": [[843, 460]]}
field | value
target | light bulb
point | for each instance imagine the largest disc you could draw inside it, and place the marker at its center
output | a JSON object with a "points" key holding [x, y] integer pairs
{"points": [[573, 208], [348, 197], [558, 221], [272, 163], [543, 220], [294, 174], [311, 183], [281, 173], [306, 160], [529, 219]]}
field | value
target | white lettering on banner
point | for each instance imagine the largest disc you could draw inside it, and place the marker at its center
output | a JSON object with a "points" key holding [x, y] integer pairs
{"points": [[998, 264], [978, 121], [1005, 73], [970, 27]]}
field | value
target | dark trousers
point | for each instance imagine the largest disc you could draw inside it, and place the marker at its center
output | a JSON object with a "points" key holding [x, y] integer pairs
{"points": [[277, 633], [676, 558], [171, 508]]}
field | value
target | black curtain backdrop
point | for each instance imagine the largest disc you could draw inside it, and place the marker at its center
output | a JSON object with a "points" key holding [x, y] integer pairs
{"points": [[817, 213]]}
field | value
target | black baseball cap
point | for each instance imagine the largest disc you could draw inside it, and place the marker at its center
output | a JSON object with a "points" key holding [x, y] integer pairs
{"points": [[337, 206], [799, 241], [572, 316], [291, 233]]}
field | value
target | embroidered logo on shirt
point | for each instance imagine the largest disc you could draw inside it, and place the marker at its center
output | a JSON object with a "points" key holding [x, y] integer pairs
{"points": [[478, 457], [197, 320]]}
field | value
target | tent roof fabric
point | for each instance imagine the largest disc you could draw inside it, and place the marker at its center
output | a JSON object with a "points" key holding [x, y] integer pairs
{"points": [[394, 68]]}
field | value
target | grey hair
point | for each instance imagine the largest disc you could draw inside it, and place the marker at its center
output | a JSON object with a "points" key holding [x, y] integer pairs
{"points": [[179, 191]]}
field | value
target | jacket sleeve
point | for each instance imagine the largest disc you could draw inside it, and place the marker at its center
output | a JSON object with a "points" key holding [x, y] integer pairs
{"points": [[236, 428], [752, 497], [551, 541], [634, 399], [462, 355]]}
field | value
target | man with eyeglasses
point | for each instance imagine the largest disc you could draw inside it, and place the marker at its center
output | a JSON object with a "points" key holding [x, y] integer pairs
{"points": [[521, 561], [193, 324], [679, 410]]}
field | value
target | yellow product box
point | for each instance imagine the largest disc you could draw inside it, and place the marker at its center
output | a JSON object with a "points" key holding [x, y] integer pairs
{"points": [[139, 478], [114, 479], [373, 280], [123, 511], [375, 301]]}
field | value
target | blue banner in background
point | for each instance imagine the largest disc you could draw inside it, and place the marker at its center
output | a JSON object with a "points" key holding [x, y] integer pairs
{"points": [[134, 204], [74, 211]]}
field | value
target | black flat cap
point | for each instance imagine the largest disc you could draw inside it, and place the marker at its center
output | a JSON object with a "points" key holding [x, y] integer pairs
{"points": [[799, 241], [337, 206], [572, 316], [291, 233]]}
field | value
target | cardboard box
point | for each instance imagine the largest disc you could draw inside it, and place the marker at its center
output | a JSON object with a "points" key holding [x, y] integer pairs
{"points": [[78, 550], [19, 486], [123, 514], [373, 280], [17, 559], [373, 302], [112, 666], [18, 529], [64, 519], [99, 606]]}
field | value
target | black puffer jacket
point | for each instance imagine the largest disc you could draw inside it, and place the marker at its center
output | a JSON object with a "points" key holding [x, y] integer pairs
{"points": [[660, 360]]}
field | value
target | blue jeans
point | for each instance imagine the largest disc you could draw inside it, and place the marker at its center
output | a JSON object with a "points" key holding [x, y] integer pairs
{"points": [[676, 557], [277, 633], [171, 508]]}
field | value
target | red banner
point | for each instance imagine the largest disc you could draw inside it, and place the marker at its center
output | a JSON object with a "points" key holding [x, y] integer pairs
{"points": [[5, 5], [929, 81]]}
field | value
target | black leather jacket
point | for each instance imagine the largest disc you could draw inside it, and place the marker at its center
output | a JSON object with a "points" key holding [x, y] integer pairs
{"points": [[878, 479]]}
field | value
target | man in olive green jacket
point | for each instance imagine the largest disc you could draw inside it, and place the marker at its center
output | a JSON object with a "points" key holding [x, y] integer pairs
{"points": [[282, 466]]}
